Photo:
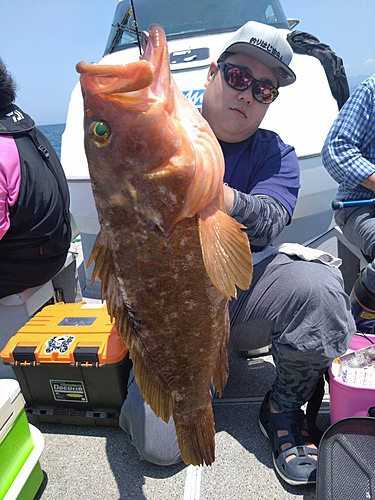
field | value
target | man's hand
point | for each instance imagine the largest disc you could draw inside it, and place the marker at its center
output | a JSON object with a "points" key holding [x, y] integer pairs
{"points": [[229, 198]]}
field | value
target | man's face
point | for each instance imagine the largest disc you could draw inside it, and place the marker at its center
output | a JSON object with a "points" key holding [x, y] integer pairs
{"points": [[235, 115]]}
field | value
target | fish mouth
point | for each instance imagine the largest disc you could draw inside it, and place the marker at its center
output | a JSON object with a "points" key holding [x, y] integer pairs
{"points": [[155, 44], [136, 85], [114, 79], [156, 53], [239, 110]]}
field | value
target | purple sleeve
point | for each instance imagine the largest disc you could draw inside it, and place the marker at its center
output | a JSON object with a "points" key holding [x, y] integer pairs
{"points": [[277, 174], [263, 165]]}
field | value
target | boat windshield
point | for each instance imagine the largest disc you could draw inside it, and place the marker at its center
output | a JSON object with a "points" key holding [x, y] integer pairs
{"points": [[184, 19]]}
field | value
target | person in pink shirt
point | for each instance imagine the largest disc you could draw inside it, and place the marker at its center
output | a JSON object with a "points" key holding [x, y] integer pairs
{"points": [[10, 179], [35, 230]]}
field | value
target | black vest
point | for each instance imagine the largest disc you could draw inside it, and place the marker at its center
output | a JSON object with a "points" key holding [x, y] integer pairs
{"points": [[39, 220]]}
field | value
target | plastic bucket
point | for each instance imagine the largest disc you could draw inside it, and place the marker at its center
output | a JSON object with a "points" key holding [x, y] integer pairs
{"points": [[359, 341], [347, 400]]}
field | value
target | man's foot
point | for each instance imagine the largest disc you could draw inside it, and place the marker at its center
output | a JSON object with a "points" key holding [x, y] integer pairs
{"points": [[294, 455]]}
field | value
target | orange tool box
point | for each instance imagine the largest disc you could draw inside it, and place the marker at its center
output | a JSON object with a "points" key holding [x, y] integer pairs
{"points": [[71, 365]]}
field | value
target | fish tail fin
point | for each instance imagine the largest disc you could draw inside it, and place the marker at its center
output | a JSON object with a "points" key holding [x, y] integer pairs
{"points": [[226, 251], [196, 435]]}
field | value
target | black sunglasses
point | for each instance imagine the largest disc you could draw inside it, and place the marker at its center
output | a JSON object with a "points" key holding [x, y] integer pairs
{"points": [[239, 79]]}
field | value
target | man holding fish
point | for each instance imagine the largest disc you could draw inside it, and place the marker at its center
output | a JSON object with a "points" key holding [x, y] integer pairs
{"points": [[294, 303]]}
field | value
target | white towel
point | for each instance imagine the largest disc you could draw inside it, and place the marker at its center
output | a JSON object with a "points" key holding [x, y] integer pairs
{"points": [[304, 253]]}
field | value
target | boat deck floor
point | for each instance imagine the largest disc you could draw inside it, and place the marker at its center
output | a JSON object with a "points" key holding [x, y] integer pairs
{"points": [[83, 462], [88, 462]]}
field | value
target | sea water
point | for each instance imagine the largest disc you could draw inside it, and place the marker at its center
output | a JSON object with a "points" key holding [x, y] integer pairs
{"points": [[53, 134]]}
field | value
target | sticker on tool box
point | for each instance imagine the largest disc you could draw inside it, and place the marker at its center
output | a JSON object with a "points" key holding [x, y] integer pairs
{"points": [[68, 390], [77, 321], [59, 343]]}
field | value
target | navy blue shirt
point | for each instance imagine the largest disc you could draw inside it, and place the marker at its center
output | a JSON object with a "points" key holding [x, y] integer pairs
{"points": [[263, 164]]}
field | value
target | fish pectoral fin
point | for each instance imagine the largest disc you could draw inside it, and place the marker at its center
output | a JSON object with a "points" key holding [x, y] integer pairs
{"points": [[226, 251]]}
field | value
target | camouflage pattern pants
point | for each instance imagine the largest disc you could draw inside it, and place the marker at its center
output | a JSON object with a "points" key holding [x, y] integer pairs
{"points": [[301, 309]]}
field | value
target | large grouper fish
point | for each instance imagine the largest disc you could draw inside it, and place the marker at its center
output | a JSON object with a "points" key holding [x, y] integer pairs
{"points": [[168, 256]]}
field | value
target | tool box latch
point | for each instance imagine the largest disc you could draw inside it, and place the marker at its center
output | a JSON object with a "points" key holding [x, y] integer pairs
{"points": [[86, 356], [24, 354]]}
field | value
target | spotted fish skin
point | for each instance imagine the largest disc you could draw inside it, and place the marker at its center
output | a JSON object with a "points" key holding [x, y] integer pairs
{"points": [[168, 255]]}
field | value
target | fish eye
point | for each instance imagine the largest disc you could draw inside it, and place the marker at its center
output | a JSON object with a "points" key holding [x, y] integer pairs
{"points": [[100, 132]]}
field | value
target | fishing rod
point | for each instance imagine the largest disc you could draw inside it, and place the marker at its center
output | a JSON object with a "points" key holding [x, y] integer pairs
{"points": [[123, 26], [136, 29], [353, 203]]}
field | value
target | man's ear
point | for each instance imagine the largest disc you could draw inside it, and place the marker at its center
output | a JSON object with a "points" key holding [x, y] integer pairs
{"points": [[211, 72]]}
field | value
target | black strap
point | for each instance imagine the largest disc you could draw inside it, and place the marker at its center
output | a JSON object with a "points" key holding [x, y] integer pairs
{"points": [[46, 157], [313, 407]]}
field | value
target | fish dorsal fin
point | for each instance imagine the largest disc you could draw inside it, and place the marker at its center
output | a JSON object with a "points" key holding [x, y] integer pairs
{"points": [[104, 269], [226, 251], [155, 391]]}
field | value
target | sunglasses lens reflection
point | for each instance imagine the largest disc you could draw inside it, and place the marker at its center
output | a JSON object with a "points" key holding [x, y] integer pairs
{"points": [[267, 94], [240, 80]]}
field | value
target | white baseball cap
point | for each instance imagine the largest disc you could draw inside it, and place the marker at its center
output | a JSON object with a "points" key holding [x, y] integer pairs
{"points": [[265, 44]]}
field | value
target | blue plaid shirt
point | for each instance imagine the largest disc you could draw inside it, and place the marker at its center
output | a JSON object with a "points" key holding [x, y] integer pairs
{"points": [[348, 153]]}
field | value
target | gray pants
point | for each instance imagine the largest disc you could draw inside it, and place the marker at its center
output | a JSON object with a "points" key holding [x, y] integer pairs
{"points": [[358, 226], [301, 308]]}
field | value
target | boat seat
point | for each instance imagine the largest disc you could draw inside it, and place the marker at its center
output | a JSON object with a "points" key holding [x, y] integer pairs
{"points": [[353, 260], [17, 309]]}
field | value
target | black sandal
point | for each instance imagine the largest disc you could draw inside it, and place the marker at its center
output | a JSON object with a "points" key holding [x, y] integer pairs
{"points": [[301, 469]]}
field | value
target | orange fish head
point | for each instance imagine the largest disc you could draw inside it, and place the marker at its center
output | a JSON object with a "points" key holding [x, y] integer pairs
{"points": [[128, 112], [124, 84]]}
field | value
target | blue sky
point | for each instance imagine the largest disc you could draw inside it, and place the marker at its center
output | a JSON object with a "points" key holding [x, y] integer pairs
{"points": [[42, 40]]}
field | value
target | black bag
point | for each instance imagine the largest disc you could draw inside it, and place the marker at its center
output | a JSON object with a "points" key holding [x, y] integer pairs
{"points": [[304, 43], [346, 461]]}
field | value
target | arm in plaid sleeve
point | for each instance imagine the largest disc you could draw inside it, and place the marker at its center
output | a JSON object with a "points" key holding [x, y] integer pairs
{"points": [[349, 150]]}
